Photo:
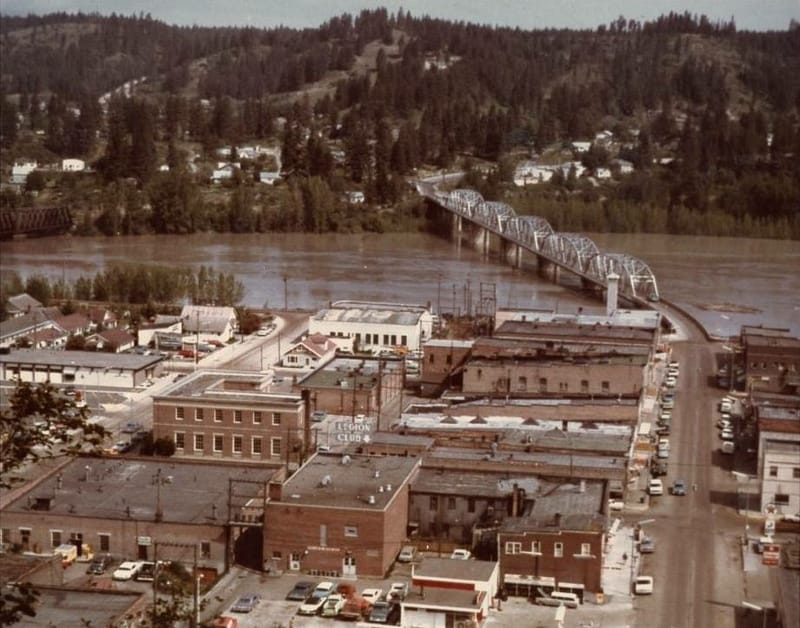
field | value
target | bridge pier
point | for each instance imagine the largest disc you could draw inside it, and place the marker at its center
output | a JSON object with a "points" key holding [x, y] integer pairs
{"points": [[512, 253]]}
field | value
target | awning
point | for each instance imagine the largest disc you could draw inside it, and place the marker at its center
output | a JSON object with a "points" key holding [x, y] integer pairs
{"points": [[70, 370]]}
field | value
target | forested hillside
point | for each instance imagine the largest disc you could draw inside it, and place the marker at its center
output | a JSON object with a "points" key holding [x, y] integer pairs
{"points": [[677, 125]]}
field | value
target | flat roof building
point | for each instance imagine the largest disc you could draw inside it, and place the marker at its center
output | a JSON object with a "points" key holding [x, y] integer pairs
{"points": [[339, 516]]}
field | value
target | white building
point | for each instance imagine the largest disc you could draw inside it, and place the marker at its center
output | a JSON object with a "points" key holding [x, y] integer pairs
{"points": [[21, 170], [529, 173], [375, 327], [209, 322], [79, 368], [73, 165], [779, 458]]}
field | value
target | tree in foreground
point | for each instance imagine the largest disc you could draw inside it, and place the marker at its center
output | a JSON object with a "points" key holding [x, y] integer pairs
{"points": [[37, 425]]}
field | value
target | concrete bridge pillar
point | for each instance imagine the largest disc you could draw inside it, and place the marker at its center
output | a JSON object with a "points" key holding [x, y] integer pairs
{"points": [[456, 230]]}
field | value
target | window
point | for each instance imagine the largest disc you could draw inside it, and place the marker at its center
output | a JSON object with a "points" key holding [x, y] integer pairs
{"points": [[431, 358], [351, 531], [563, 386], [104, 541], [218, 443], [275, 446], [55, 538], [5, 536], [796, 473], [205, 549], [471, 504], [434, 503], [584, 386], [256, 417], [781, 499], [180, 440], [558, 550], [276, 418], [404, 340], [256, 445], [323, 535], [198, 414], [237, 444], [448, 359], [522, 384], [513, 547], [386, 339], [586, 549], [217, 415], [199, 442], [605, 387], [451, 503], [237, 416], [394, 339], [179, 413], [773, 471], [542, 384], [536, 547]]}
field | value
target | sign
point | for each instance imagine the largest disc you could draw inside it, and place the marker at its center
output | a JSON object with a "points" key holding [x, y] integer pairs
{"points": [[358, 431], [144, 540], [771, 555]]}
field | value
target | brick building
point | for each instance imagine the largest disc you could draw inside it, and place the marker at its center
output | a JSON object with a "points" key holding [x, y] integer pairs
{"points": [[441, 364], [230, 415], [353, 385], [125, 506], [771, 360], [339, 516], [563, 552]]}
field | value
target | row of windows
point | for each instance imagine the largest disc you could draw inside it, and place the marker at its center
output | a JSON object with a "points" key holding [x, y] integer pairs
{"points": [[515, 547], [256, 416], [237, 443], [451, 503], [373, 339], [775, 365], [522, 384], [773, 472]]}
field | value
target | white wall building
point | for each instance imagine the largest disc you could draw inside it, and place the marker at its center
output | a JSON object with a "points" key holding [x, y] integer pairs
{"points": [[375, 327], [73, 165], [779, 458], [209, 322]]}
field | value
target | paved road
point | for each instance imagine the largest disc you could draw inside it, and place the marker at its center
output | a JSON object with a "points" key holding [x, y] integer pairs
{"points": [[697, 563]]}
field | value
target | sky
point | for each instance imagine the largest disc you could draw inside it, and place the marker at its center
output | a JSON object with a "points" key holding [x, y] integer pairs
{"points": [[759, 15]]}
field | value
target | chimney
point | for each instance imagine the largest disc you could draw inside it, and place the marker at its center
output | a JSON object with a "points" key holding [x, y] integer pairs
{"points": [[557, 519], [612, 293], [515, 500]]}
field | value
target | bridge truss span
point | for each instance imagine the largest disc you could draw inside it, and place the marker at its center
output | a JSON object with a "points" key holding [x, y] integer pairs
{"points": [[636, 277], [530, 231]]}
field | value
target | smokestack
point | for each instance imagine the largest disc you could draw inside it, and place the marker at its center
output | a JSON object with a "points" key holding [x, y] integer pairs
{"points": [[612, 293]]}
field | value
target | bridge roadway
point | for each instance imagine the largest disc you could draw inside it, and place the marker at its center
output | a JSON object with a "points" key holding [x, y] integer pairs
{"points": [[34, 221], [573, 252]]}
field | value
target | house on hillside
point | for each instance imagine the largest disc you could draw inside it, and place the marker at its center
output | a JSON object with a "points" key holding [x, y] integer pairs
{"points": [[112, 340], [75, 324], [21, 170], [224, 172], [102, 317], [269, 178], [73, 165]]}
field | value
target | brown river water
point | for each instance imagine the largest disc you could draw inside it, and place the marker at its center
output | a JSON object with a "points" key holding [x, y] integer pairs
{"points": [[724, 282]]}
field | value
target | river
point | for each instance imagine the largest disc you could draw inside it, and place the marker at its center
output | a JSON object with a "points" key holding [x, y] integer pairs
{"points": [[705, 275]]}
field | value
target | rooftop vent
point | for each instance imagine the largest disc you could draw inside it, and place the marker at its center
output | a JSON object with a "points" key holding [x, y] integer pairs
{"points": [[326, 480], [371, 499], [345, 459], [388, 488]]}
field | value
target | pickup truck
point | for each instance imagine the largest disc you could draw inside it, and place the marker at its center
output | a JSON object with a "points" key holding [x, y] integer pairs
{"points": [[356, 608]]}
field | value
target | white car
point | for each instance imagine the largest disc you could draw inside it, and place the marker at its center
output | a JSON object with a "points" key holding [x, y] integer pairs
{"points": [[655, 487], [372, 595], [398, 591], [643, 585], [461, 554], [670, 381], [126, 571], [726, 434], [316, 600]]}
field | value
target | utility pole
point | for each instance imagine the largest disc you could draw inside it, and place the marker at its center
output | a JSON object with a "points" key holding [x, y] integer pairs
{"points": [[285, 294]]}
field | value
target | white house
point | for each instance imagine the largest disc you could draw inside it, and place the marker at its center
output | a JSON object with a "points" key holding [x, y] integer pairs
{"points": [[375, 327], [310, 352], [356, 197], [581, 147], [624, 166], [209, 322], [21, 170], [779, 458], [73, 165], [269, 177], [602, 173], [530, 173], [224, 172]]}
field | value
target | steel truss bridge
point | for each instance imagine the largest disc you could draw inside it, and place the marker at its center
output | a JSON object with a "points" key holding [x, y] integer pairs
{"points": [[34, 221], [573, 252]]}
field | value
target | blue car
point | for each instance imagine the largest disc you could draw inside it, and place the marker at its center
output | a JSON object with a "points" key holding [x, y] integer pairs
{"points": [[245, 603]]}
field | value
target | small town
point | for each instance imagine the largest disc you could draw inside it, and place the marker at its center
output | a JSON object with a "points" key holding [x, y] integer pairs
{"points": [[425, 320]]}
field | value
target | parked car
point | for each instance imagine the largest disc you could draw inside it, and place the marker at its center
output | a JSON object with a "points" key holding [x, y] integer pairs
{"points": [[407, 554], [726, 434], [356, 608], [333, 605], [655, 487], [245, 603], [658, 468], [647, 545], [397, 591], [99, 565], [679, 487], [384, 613], [372, 595], [643, 585], [147, 572], [461, 554], [126, 571], [301, 591], [318, 416], [316, 600]]}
